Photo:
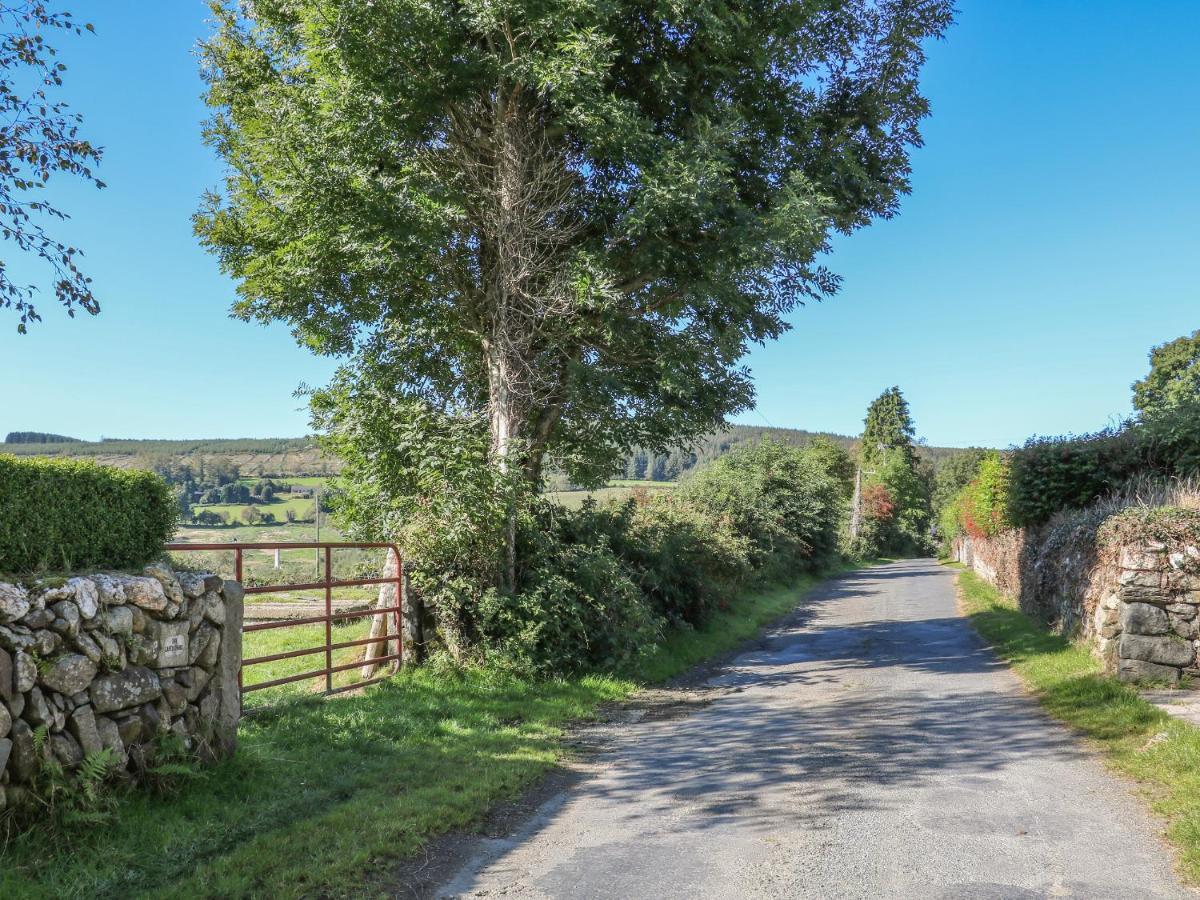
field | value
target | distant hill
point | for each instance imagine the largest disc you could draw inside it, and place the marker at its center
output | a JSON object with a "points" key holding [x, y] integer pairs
{"points": [[643, 464], [252, 456], [283, 457]]}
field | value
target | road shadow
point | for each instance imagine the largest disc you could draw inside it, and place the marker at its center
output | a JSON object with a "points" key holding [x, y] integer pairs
{"points": [[758, 761]]}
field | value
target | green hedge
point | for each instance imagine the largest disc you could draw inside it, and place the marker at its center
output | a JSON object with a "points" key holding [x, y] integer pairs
{"points": [[1050, 474], [58, 515]]}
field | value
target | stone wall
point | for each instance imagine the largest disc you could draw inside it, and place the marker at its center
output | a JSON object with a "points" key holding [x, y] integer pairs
{"points": [[1136, 602], [115, 661]]}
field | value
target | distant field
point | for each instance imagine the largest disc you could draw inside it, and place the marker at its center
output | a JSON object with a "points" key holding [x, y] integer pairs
{"points": [[302, 480], [617, 491], [298, 505], [295, 566], [301, 531]]}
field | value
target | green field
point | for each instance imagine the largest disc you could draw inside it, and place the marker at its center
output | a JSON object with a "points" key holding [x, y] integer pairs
{"points": [[301, 637], [303, 480], [299, 507]]}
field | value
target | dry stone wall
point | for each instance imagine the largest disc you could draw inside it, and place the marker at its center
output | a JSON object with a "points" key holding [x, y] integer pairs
{"points": [[116, 661], [1137, 604], [1147, 623]]}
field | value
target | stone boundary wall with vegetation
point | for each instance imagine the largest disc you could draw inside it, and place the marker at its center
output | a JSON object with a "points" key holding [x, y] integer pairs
{"points": [[117, 669], [1134, 598]]}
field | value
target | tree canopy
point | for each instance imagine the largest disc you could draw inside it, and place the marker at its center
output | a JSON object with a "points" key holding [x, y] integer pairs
{"points": [[39, 138], [565, 221], [888, 426], [1174, 376]]}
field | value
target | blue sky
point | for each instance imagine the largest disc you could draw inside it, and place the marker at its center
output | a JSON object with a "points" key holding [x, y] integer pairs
{"points": [[1050, 240]]}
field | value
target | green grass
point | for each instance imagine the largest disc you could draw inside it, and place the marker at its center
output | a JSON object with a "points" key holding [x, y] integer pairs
{"points": [[323, 796], [278, 508], [300, 637], [280, 531], [1138, 740]]}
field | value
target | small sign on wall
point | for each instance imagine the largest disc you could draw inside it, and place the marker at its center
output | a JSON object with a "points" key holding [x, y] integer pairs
{"points": [[172, 644]]}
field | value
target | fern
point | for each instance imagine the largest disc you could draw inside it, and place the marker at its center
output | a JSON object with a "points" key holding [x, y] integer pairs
{"points": [[70, 800]]}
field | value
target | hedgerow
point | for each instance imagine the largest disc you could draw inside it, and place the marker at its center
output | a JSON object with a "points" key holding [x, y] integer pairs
{"points": [[1052, 474], [981, 507], [60, 515], [602, 585]]}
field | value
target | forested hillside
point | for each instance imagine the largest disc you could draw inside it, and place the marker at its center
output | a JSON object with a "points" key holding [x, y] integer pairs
{"points": [[643, 464], [37, 437], [301, 456], [53, 445], [259, 457]]}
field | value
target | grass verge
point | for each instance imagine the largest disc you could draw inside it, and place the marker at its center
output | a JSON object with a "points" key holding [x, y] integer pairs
{"points": [[324, 795], [1138, 740]]}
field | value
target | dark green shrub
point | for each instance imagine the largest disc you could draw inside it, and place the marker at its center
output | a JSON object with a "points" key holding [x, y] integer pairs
{"points": [[684, 560], [688, 562], [1050, 474], [63, 514], [1171, 439], [577, 608]]}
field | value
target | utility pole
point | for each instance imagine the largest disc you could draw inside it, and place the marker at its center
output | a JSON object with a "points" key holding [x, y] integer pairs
{"points": [[856, 504]]}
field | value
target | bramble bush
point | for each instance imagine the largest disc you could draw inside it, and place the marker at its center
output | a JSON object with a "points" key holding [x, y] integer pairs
{"points": [[576, 606], [687, 562], [59, 515]]}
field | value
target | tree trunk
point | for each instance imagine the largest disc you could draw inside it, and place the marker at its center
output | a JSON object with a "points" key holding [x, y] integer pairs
{"points": [[856, 504], [505, 421]]}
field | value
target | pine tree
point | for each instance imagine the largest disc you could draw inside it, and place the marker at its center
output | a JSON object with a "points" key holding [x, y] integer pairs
{"points": [[889, 426]]}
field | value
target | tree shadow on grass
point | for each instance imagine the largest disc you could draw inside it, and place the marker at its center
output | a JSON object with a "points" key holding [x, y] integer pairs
{"points": [[422, 753]]}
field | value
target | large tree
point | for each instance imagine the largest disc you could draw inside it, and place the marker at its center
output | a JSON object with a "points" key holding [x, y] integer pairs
{"points": [[888, 427], [567, 219], [1174, 376], [39, 138], [888, 459]]}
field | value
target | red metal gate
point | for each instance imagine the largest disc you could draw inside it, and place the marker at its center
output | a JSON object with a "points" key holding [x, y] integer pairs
{"points": [[392, 630]]}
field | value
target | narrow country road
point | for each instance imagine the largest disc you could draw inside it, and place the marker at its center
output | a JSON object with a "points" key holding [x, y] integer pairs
{"points": [[874, 748]]}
